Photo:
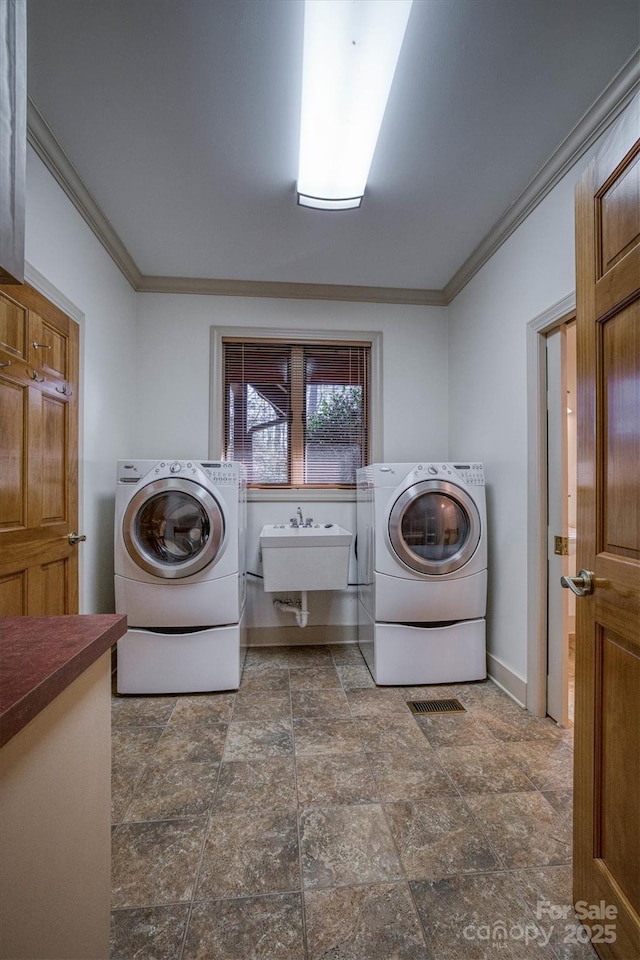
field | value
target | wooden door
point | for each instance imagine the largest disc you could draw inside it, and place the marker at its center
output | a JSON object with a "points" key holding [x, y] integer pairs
{"points": [[607, 727], [38, 455]]}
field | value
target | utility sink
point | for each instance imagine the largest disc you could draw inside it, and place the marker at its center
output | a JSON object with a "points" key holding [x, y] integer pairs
{"points": [[312, 557]]}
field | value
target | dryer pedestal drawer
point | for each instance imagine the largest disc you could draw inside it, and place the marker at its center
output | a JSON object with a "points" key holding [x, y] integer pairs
{"points": [[399, 654], [399, 600]]}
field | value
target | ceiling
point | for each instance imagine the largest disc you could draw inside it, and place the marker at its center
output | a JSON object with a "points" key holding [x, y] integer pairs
{"points": [[180, 119]]}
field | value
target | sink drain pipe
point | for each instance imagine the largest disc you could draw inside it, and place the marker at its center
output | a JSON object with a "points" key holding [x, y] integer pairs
{"points": [[298, 607]]}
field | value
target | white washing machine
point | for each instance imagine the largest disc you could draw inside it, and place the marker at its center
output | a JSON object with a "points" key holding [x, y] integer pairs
{"points": [[422, 570], [180, 575]]}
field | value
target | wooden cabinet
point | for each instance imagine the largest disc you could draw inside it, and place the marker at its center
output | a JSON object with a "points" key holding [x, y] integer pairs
{"points": [[55, 790]]}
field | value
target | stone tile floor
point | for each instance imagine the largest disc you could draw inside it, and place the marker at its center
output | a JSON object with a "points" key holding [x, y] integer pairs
{"points": [[312, 816]]}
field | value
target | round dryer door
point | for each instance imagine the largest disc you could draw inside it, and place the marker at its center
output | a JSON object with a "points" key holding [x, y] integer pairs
{"points": [[173, 528], [434, 527]]}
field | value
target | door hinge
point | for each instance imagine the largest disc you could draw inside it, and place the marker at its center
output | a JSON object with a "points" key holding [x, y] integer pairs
{"points": [[561, 546]]}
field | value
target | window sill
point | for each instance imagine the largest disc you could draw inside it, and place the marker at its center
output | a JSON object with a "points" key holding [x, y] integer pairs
{"points": [[302, 495]]}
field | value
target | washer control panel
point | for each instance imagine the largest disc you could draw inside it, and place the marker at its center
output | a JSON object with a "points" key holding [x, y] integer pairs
{"points": [[220, 472], [185, 467]]}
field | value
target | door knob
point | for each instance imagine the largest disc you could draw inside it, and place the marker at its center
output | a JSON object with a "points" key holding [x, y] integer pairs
{"points": [[582, 585], [76, 538]]}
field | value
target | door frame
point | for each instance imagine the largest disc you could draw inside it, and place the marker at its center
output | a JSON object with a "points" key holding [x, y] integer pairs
{"points": [[44, 286], [537, 468]]}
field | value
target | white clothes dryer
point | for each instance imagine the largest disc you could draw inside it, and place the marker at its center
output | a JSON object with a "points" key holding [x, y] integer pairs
{"points": [[180, 574], [422, 570]]}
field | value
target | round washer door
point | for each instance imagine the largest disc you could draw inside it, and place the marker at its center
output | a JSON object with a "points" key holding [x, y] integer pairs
{"points": [[434, 527], [173, 528]]}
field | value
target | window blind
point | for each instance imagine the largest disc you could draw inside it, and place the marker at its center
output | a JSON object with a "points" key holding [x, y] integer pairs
{"points": [[296, 413], [335, 413]]}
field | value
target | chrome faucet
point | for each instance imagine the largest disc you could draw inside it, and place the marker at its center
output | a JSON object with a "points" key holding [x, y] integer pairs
{"points": [[299, 521]]}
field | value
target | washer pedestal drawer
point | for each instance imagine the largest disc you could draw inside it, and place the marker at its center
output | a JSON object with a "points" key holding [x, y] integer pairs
{"points": [[199, 661]]}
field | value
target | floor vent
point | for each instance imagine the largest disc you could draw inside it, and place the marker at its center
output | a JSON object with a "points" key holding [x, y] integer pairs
{"points": [[435, 706]]}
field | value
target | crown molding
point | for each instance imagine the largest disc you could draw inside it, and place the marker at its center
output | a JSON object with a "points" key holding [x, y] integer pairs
{"points": [[291, 291], [595, 121], [45, 143], [44, 286]]}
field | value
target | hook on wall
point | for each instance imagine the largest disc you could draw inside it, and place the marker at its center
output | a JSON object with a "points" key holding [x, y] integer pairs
{"points": [[66, 389], [34, 376]]}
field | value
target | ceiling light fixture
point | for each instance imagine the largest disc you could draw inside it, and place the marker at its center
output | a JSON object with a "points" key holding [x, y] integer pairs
{"points": [[351, 48]]}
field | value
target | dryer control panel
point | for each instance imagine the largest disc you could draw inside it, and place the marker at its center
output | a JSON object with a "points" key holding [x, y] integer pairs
{"points": [[471, 473]]}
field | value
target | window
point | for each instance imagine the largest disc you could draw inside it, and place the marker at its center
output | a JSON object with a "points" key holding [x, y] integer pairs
{"points": [[296, 413]]}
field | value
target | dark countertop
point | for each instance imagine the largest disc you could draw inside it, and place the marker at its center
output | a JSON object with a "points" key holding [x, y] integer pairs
{"points": [[41, 656]]}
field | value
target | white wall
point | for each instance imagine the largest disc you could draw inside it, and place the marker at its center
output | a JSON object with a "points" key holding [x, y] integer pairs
{"points": [[533, 270], [172, 401], [62, 248], [172, 370]]}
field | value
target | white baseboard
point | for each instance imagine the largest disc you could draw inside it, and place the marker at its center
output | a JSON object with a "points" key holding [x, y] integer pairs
{"points": [[508, 681], [293, 636]]}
